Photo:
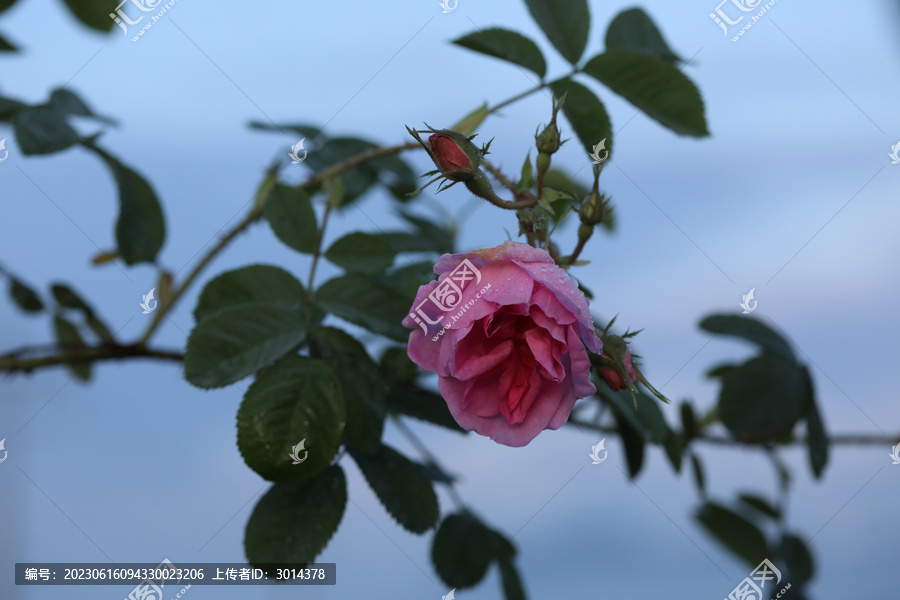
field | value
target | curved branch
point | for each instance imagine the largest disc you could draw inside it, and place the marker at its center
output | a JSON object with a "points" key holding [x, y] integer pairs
{"points": [[14, 362]]}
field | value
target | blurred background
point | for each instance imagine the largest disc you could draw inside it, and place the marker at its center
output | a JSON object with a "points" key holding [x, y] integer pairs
{"points": [[792, 195]]}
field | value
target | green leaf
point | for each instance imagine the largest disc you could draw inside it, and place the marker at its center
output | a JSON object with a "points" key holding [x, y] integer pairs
{"points": [[361, 252], [365, 301], [66, 297], [586, 114], [397, 369], [526, 180], [734, 532], [760, 504], [264, 285], [632, 441], [634, 30], [408, 278], [236, 342], [293, 522], [423, 405], [363, 389], [24, 297], [94, 13], [290, 213], [762, 398], [426, 237], [43, 130], [663, 92], [689, 424], [506, 45], [816, 437], [468, 124], [295, 400], [141, 227], [402, 488], [9, 107], [512, 583], [6, 4], [7, 46], [750, 329], [647, 419], [565, 23], [67, 103], [100, 329], [798, 558], [70, 340], [699, 476], [301, 129], [462, 550], [353, 182]]}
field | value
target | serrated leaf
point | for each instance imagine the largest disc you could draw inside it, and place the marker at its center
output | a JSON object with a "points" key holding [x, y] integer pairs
{"points": [[361, 252], [94, 13], [565, 23], [141, 227], [798, 558], [43, 130], [750, 329], [634, 30], [760, 504], [468, 124], [762, 398], [257, 284], [25, 297], [462, 550], [396, 368], [293, 522], [660, 90], [816, 437], [70, 340], [734, 532], [423, 405], [402, 487], [290, 213], [236, 342], [506, 45], [363, 389], [367, 302], [585, 113], [295, 400]]}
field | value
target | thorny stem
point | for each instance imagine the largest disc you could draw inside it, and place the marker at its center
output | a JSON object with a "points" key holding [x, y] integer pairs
{"points": [[15, 363], [420, 447]]}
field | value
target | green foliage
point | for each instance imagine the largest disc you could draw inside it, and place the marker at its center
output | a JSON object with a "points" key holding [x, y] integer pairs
{"points": [[634, 30], [653, 85], [293, 522], [257, 285], [402, 488], [363, 389], [94, 13], [507, 45], [734, 531], [362, 252], [290, 213], [565, 23], [366, 301], [70, 340], [296, 399], [750, 329], [25, 297], [798, 559], [424, 405]]}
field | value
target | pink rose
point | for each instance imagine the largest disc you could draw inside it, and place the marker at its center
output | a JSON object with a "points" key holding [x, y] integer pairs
{"points": [[509, 349]]}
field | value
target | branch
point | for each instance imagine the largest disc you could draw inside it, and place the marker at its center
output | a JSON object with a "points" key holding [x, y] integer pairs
{"points": [[14, 362]]}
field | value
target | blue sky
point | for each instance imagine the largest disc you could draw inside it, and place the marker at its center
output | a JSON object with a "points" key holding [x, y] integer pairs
{"points": [[792, 195]]}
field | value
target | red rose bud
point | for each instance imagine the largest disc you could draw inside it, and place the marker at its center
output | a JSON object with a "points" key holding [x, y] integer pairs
{"points": [[611, 374], [447, 154]]}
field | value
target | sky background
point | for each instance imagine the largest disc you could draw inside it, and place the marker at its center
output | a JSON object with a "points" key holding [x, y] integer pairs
{"points": [[791, 196]]}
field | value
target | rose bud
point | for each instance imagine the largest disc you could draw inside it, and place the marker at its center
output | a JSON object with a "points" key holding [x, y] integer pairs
{"points": [[611, 374], [447, 154], [505, 329]]}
